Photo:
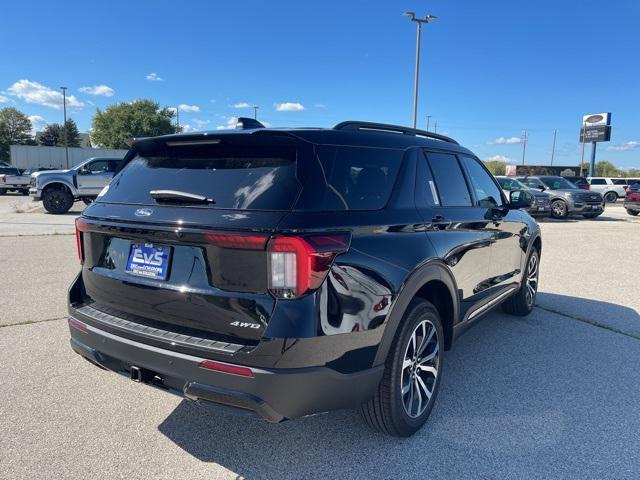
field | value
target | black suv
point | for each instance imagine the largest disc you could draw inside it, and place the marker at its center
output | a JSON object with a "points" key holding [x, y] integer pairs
{"points": [[291, 272]]}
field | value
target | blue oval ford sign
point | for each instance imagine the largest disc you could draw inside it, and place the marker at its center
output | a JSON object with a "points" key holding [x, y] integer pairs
{"points": [[595, 119], [143, 212]]}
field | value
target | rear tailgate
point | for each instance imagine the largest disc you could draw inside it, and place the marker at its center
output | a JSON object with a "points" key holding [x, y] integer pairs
{"points": [[195, 269]]}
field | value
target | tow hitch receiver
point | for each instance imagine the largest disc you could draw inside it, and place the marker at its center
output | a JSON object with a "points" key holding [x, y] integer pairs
{"points": [[135, 373]]}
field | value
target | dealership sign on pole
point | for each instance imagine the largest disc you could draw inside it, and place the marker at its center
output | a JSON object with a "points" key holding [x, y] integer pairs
{"points": [[596, 127]]}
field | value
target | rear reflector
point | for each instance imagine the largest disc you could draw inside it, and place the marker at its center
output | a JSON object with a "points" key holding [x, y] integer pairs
{"points": [[227, 368], [81, 226], [78, 325], [237, 241]]}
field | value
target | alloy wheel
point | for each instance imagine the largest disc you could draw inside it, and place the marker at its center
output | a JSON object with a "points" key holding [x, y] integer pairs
{"points": [[532, 280], [420, 369], [558, 209]]}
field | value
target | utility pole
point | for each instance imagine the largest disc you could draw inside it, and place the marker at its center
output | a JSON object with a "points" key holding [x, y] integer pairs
{"points": [[255, 112], [553, 148], [178, 116], [584, 134], [64, 108], [419, 22], [428, 120], [524, 139], [435, 128]]}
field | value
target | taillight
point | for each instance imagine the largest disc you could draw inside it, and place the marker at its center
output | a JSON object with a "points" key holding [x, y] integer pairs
{"points": [[81, 226], [586, 186], [298, 265], [237, 241], [3, 178]]}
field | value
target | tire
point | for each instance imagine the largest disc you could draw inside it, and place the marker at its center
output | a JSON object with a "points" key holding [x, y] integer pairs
{"points": [[24, 192], [57, 200], [390, 411], [524, 300], [559, 209], [633, 213], [3, 191], [591, 215], [611, 197]]}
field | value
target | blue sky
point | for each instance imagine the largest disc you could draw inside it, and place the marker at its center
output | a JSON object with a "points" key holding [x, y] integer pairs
{"points": [[489, 69]]}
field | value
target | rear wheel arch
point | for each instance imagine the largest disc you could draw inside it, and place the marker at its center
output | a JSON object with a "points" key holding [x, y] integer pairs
{"points": [[432, 282]]}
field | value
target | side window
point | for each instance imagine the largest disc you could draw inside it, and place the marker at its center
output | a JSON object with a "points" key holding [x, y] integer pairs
{"points": [[532, 183], [99, 166], [488, 194], [598, 181], [450, 188], [113, 165]]}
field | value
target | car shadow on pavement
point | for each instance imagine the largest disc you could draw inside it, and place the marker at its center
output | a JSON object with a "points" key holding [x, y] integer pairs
{"points": [[543, 396]]}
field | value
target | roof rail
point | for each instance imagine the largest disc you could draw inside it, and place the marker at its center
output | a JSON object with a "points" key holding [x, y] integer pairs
{"points": [[383, 127]]}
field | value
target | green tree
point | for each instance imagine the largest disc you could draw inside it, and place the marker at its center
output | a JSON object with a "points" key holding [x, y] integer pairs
{"points": [[633, 173], [15, 129], [605, 168], [73, 135], [50, 136], [141, 118], [496, 167]]}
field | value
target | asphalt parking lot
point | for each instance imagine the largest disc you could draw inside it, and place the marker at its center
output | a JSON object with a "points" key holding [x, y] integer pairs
{"points": [[553, 395]]}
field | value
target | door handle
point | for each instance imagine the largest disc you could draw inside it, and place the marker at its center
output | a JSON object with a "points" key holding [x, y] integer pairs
{"points": [[440, 223]]}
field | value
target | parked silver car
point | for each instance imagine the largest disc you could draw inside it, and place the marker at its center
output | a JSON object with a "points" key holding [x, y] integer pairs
{"points": [[566, 198], [58, 189]]}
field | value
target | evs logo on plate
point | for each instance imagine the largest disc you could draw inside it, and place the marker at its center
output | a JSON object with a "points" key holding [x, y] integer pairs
{"points": [[148, 261]]}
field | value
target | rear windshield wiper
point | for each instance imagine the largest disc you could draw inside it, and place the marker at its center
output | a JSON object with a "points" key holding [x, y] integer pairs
{"points": [[174, 196]]}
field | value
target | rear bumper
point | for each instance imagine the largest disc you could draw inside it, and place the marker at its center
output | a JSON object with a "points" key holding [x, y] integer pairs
{"points": [[632, 205], [539, 210], [274, 394]]}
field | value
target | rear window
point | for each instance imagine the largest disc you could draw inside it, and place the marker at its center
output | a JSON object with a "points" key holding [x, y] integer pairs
{"points": [[557, 183], [9, 171], [246, 177]]}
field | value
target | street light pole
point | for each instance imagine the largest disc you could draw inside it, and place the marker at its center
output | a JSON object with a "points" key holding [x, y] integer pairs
{"points": [[525, 137], [255, 112], [553, 148], [419, 22], [428, 121], [64, 108]]}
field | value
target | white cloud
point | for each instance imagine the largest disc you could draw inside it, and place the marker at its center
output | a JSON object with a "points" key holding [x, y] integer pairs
{"points": [[154, 77], [101, 90], [289, 107], [231, 123], [34, 92], [3, 99], [625, 147], [499, 158], [37, 123], [200, 123], [242, 105], [188, 108], [505, 141], [172, 109], [188, 128]]}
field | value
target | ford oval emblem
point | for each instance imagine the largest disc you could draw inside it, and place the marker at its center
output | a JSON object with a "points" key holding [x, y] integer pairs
{"points": [[143, 212], [594, 119]]}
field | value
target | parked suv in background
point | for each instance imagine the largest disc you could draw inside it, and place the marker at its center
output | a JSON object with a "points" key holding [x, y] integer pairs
{"points": [[542, 201], [611, 190], [296, 271], [58, 189], [566, 198], [632, 200]]}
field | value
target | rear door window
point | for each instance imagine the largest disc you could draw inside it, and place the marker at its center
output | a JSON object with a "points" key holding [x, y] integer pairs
{"points": [[598, 181], [450, 184], [236, 176]]}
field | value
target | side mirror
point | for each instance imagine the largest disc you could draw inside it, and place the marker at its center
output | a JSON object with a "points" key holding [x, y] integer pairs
{"points": [[520, 199]]}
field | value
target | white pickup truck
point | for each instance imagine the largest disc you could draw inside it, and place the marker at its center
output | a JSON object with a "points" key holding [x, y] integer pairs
{"points": [[11, 179]]}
